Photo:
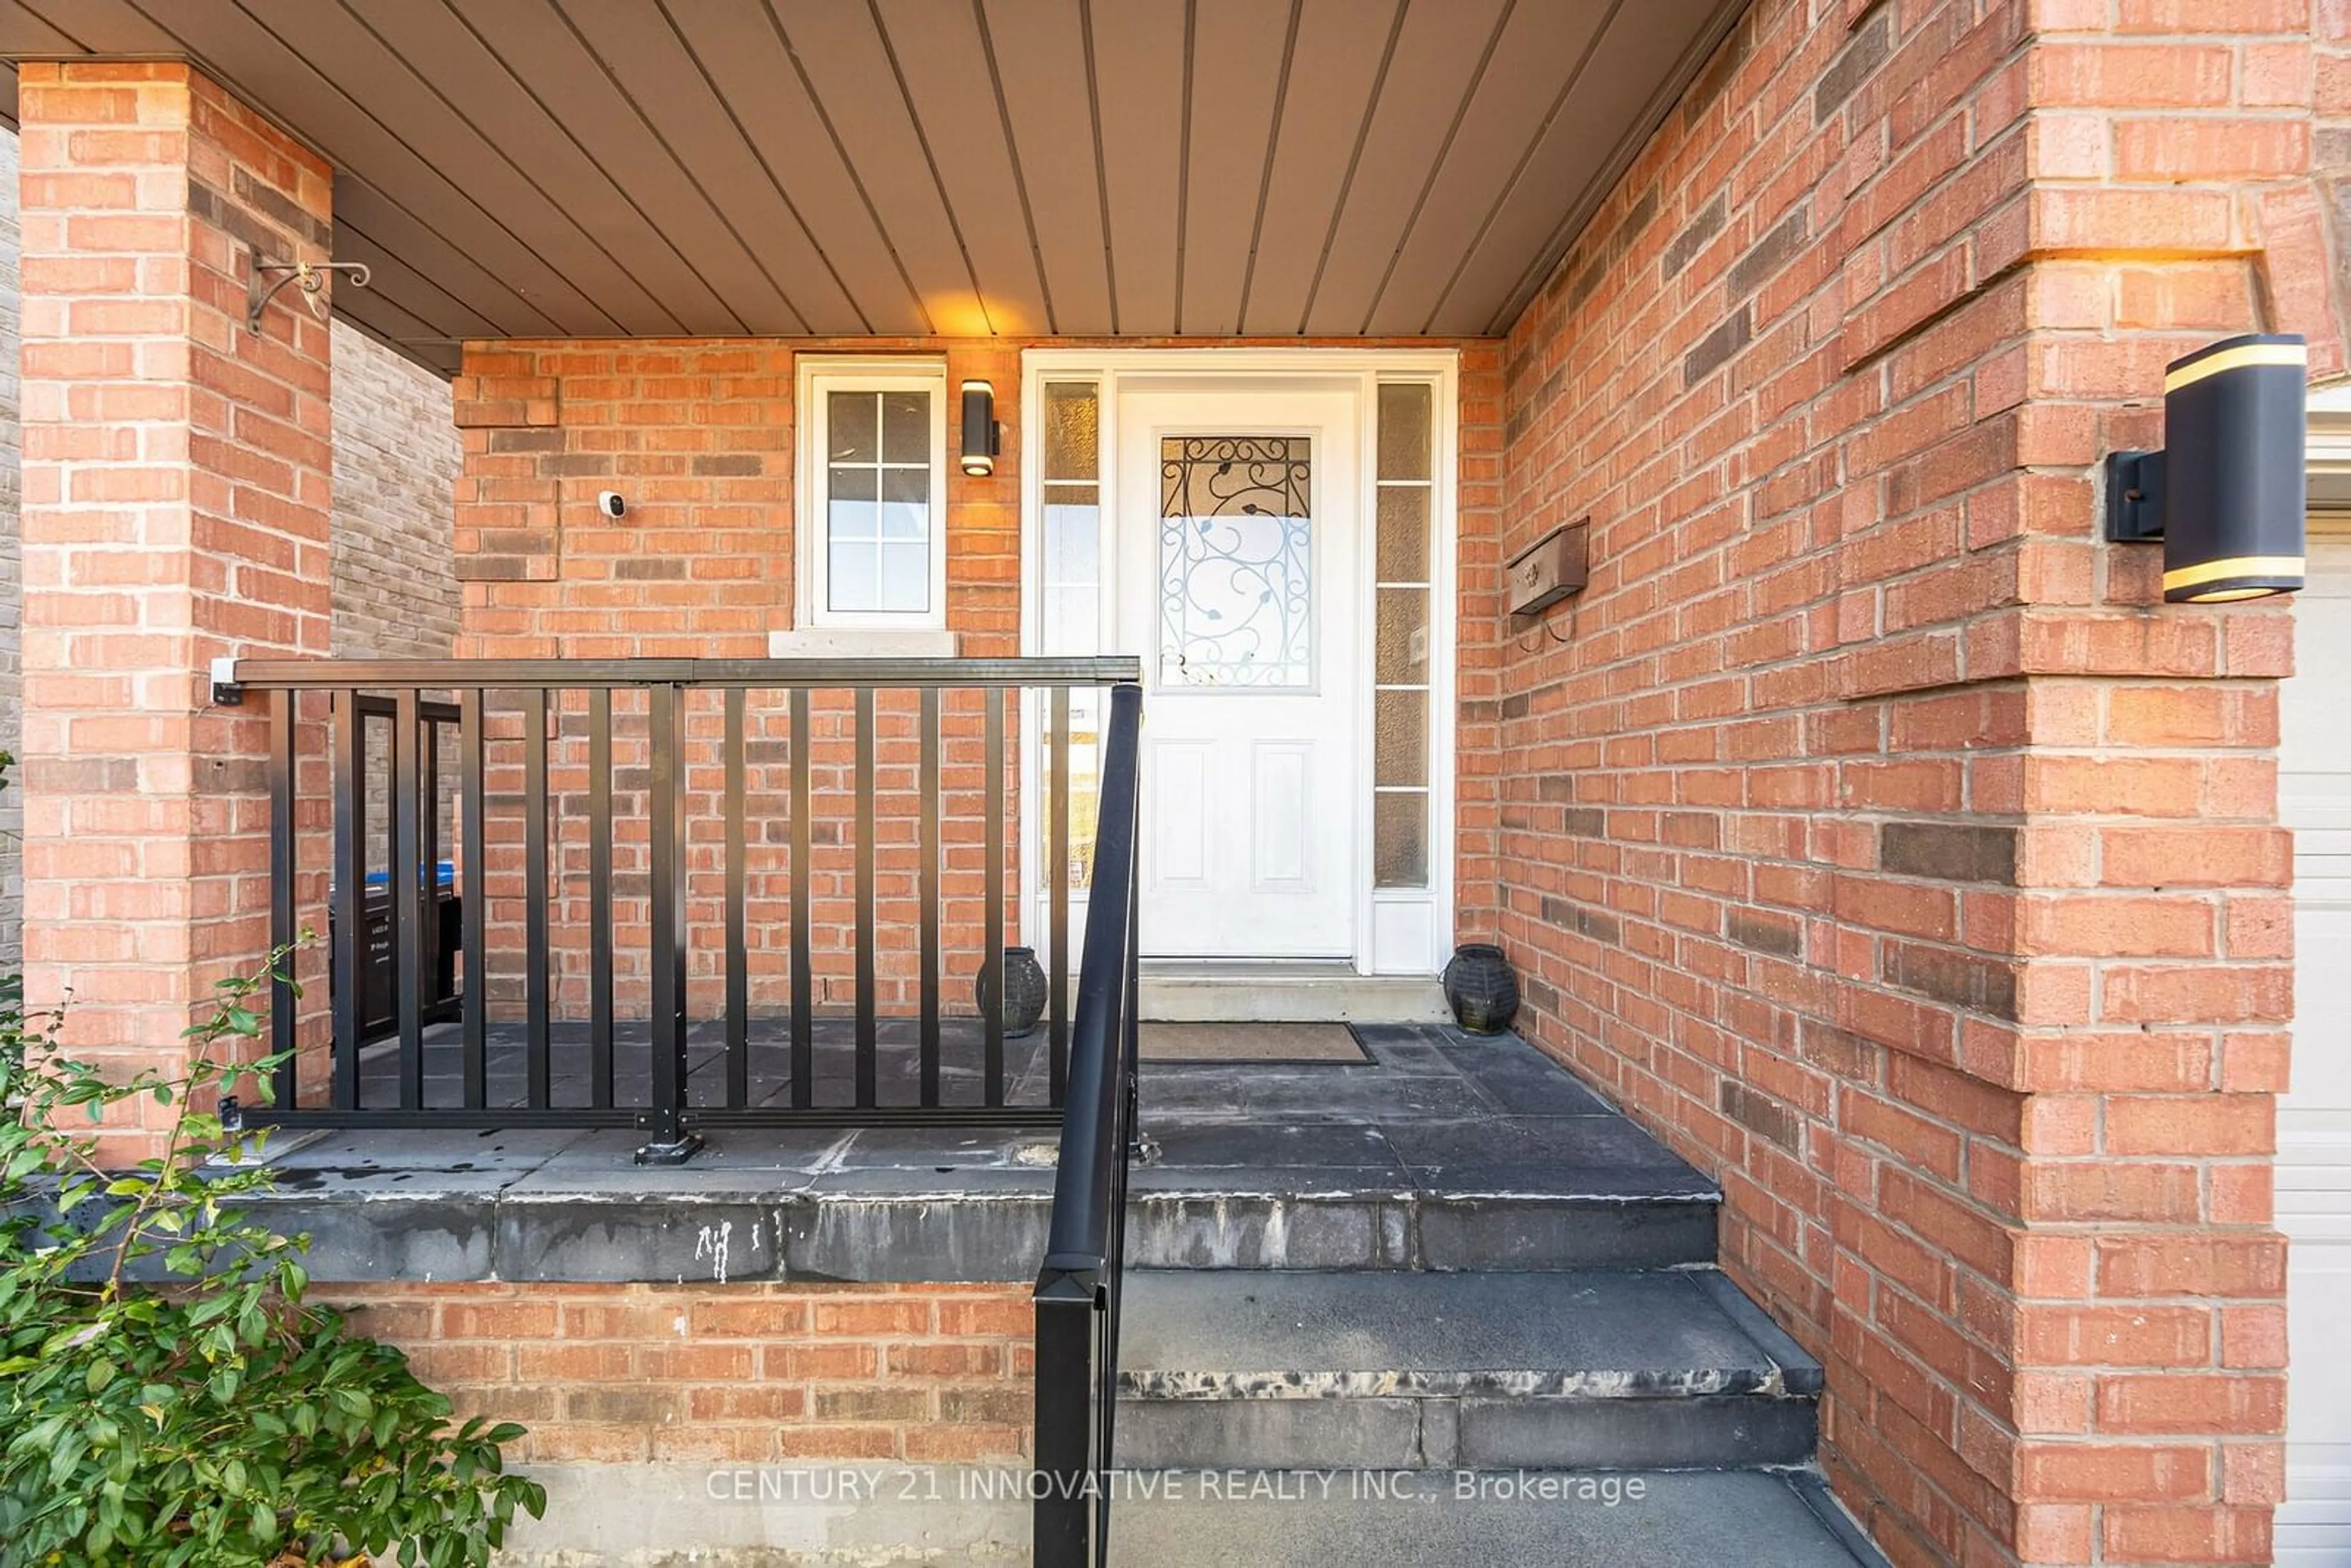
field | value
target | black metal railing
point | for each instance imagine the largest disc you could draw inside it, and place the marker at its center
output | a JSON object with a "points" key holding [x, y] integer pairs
{"points": [[1077, 1296], [628, 837], [440, 933]]}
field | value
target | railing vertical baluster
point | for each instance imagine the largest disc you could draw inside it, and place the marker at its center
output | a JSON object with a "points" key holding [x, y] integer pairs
{"points": [[867, 1030], [536, 978], [1057, 883], [1127, 1146], [351, 903], [1131, 1020], [600, 896], [285, 1016], [738, 979], [669, 1142], [803, 977], [402, 894], [474, 898], [927, 892], [992, 919], [430, 853]]}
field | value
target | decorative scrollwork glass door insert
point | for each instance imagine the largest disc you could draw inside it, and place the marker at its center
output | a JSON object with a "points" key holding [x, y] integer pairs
{"points": [[1236, 562]]}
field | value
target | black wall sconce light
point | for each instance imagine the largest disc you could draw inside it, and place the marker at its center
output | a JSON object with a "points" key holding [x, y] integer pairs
{"points": [[983, 438], [2226, 495]]}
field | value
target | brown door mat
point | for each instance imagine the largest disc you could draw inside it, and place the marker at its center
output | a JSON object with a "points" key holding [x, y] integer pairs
{"points": [[1287, 1042]]}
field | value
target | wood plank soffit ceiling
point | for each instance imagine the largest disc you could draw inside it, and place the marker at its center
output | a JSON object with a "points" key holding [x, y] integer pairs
{"points": [[1013, 168]]}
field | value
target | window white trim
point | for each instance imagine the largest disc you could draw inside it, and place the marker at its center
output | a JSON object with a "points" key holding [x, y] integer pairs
{"points": [[816, 376]]}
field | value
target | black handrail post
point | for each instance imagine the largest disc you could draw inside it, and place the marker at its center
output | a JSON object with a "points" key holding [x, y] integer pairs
{"points": [[668, 1141], [1065, 1387], [1078, 1289]]}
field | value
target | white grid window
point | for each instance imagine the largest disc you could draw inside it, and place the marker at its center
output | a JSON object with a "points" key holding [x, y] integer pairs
{"points": [[874, 494]]}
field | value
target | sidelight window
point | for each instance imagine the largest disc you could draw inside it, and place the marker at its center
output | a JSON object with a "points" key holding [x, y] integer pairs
{"points": [[1403, 573]]}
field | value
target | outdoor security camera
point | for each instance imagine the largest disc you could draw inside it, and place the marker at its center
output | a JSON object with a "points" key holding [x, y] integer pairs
{"points": [[609, 502]]}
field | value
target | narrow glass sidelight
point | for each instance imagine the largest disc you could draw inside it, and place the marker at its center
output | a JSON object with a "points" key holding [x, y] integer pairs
{"points": [[1071, 611], [1404, 571], [1236, 562], [1070, 600]]}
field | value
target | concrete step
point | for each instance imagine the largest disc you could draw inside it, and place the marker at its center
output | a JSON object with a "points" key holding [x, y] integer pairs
{"points": [[1448, 1153], [1560, 1519], [1410, 1371], [1292, 990], [1293, 1219]]}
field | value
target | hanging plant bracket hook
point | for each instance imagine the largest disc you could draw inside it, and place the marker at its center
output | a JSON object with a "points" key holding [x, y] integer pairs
{"points": [[310, 277]]}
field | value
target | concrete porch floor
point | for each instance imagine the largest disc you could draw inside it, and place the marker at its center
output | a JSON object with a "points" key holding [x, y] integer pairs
{"points": [[1436, 1151]]}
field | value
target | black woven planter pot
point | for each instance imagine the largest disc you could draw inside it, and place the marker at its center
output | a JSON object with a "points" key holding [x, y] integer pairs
{"points": [[1482, 988], [1024, 991]]}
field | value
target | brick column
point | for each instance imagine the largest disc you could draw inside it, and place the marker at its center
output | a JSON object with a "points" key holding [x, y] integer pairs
{"points": [[2170, 151], [175, 475], [1877, 835]]}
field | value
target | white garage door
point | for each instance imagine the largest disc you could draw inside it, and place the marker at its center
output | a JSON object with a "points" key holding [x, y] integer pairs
{"points": [[2314, 1175]]}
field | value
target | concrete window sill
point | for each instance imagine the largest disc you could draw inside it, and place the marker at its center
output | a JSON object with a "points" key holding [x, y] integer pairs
{"points": [[861, 642]]}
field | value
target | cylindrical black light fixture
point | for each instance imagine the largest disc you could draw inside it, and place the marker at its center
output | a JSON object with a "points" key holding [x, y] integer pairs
{"points": [[983, 438], [2226, 493]]}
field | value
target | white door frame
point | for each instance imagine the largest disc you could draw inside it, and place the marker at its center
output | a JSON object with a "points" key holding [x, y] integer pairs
{"points": [[1429, 910], [2314, 1194]]}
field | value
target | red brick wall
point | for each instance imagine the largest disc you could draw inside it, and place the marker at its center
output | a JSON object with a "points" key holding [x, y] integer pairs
{"points": [[699, 435], [1871, 833], [2304, 226], [732, 1374], [175, 509]]}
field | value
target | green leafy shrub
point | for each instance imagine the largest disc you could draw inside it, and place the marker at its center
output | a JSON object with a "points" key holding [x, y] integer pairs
{"points": [[12, 989], [168, 1397]]}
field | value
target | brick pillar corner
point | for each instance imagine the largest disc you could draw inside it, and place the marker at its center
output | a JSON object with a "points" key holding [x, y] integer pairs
{"points": [[1876, 835], [176, 471]]}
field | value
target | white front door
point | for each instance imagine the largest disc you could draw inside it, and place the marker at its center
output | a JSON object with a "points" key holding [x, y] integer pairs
{"points": [[2313, 1166], [1239, 517]]}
